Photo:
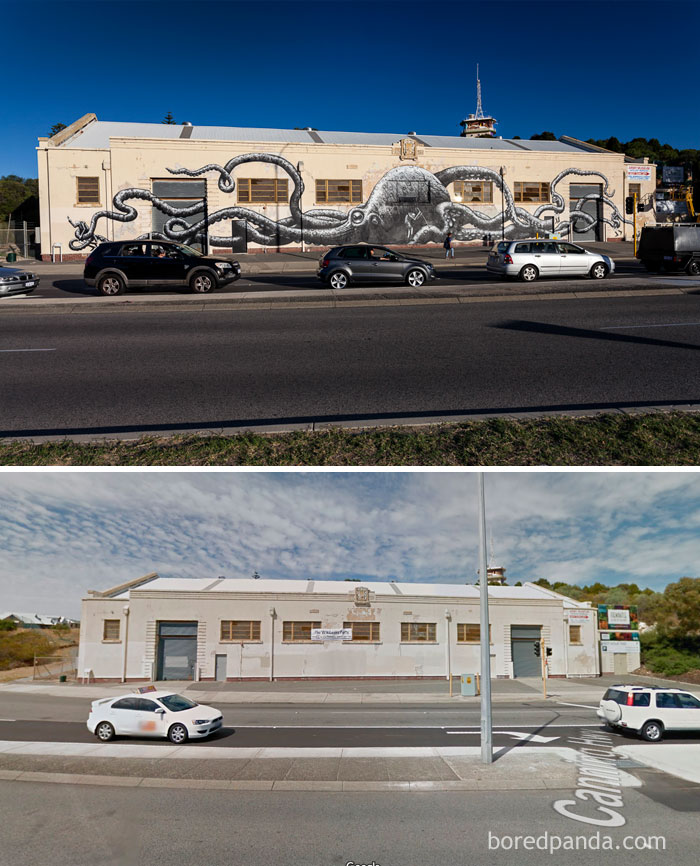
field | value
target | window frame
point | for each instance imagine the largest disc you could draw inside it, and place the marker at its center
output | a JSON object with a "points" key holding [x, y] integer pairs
{"points": [[278, 184], [105, 638], [578, 641], [544, 192], [477, 625], [407, 628], [352, 198], [486, 186], [254, 626], [371, 638], [311, 624], [91, 202]]}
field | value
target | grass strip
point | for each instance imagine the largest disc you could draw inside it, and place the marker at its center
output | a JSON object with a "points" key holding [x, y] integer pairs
{"points": [[658, 439]]}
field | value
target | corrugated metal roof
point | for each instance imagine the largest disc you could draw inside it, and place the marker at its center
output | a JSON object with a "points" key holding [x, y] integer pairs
{"points": [[341, 588], [96, 135]]}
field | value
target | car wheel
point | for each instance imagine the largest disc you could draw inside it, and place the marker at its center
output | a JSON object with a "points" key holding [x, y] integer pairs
{"points": [[599, 271], [652, 731], [338, 280], [105, 732], [177, 734], [110, 284], [693, 268], [202, 283], [529, 274], [415, 278]]}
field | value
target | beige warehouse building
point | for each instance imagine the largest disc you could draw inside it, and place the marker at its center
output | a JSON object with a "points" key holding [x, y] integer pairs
{"points": [[157, 628], [269, 189]]}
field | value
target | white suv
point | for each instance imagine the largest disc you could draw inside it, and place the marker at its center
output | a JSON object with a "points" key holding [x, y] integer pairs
{"points": [[650, 710]]}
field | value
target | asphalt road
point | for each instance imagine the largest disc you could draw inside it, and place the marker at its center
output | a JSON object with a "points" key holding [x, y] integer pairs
{"points": [[84, 826], [103, 374]]}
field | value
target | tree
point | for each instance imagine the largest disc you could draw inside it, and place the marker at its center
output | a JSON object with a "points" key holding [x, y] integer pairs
{"points": [[169, 119], [56, 128], [679, 613], [543, 136], [13, 191]]}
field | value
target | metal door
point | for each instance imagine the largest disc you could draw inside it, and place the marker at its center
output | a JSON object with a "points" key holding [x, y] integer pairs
{"points": [[221, 668], [620, 663], [177, 650], [523, 639], [239, 233], [590, 206]]}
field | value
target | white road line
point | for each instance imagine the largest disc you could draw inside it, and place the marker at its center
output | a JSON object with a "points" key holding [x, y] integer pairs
{"points": [[8, 720], [585, 706], [637, 327], [27, 350]]}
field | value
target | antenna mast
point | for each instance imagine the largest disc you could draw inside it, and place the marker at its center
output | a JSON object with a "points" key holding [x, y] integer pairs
{"points": [[479, 109]]}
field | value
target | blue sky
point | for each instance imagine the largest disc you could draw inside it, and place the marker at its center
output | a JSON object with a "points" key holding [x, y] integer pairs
{"points": [[587, 69], [62, 533]]}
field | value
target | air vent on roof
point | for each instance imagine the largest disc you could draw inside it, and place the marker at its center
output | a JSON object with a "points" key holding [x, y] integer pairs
{"points": [[413, 133], [186, 123]]}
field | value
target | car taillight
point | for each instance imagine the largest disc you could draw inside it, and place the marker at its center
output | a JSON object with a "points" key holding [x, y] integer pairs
{"points": [[324, 263], [89, 259], [630, 699], [507, 260]]}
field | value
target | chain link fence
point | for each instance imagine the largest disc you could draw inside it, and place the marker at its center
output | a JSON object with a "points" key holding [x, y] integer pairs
{"points": [[20, 238], [55, 667]]}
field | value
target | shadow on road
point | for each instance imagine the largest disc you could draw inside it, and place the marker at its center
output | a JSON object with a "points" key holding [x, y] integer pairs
{"points": [[564, 331]]}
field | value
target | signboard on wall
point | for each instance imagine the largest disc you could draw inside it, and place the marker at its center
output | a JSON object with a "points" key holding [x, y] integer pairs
{"points": [[618, 616], [639, 172], [619, 647], [331, 634], [579, 616]]}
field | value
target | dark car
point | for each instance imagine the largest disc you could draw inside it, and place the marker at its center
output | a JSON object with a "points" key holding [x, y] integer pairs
{"points": [[119, 265], [670, 248], [16, 282], [365, 263]]}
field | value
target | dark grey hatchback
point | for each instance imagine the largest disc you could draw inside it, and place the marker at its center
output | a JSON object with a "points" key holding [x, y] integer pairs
{"points": [[365, 263]]}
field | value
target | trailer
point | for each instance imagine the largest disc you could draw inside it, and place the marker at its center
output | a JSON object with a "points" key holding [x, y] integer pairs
{"points": [[670, 248]]}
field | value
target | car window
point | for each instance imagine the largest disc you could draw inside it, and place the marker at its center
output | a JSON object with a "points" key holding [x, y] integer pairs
{"points": [[570, 249], [641, 699], [126, 704], [147, 706], [134, 250], [107, 250], [688, 702], [666, 700], [615, 695], [502, 247], [177, 703], [355, 253], [188, 251], [522, 248]]}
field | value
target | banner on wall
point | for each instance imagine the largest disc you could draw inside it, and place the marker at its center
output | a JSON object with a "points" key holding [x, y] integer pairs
{"points": [[619, 647], [331, 634], [638, 172], [618, 616]]}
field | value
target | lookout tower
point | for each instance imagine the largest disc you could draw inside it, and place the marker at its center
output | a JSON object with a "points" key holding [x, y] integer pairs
{"points": [[478, 125]]}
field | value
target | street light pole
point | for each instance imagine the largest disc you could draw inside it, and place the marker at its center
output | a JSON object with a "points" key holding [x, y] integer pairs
{"points": [[502, 171], [485, 637]]}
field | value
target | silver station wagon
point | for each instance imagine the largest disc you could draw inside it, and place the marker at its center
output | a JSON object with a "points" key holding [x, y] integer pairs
{"points": [[534, 258]]}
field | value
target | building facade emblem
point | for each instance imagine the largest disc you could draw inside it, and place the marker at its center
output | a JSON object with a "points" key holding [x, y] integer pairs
{"points": [[408, 148], [361, 596]]}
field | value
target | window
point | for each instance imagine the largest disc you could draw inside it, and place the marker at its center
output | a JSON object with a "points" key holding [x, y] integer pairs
{"points": [[688, 702], [412, 632], [641, 699], [240, 629], [88, 190], [470, 632], [575, 634], [133, 250], [635, 189], [570, 249], [147, 706], [126, 704], [363, 631], [111, 629], [531, 191], [338, 191], [263, 190], [471, 190], [298, 631], [354, 253], [666, 700]]}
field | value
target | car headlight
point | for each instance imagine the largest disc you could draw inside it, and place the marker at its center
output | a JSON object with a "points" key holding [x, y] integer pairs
{"points": [[201, 722], [7, 279], [223, 264]]}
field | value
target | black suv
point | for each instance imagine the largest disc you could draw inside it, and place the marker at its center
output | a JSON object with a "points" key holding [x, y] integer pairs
{"points": [[368, 263], [119, 265]]}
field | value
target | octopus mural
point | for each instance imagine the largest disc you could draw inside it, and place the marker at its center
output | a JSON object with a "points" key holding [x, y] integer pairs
{"points": [[408, 205]]}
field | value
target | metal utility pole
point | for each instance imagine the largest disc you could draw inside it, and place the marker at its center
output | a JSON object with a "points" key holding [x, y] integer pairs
{"points": [[485, 637], [634, 204], [502, 171]]}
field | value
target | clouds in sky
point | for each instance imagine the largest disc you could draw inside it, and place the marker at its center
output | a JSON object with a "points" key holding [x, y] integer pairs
{"points": [[62, 533]]}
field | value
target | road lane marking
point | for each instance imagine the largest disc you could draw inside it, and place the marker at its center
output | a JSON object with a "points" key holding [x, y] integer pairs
{"points": [[520, 735], [27, 350], [637, 327], [585, 706]]}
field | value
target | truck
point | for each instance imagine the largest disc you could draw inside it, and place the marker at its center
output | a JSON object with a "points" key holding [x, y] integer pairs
{"points": [[670, 248]]}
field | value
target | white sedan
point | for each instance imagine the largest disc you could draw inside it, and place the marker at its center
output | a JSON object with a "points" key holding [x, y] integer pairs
{"points": [[152, 714]]}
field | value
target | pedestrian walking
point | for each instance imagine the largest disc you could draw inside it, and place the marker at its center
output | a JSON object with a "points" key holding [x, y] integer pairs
{"points": [[449, 249]]}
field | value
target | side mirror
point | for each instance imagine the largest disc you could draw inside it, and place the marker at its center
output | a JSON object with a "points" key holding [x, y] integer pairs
{"points": [[160, 710]]}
